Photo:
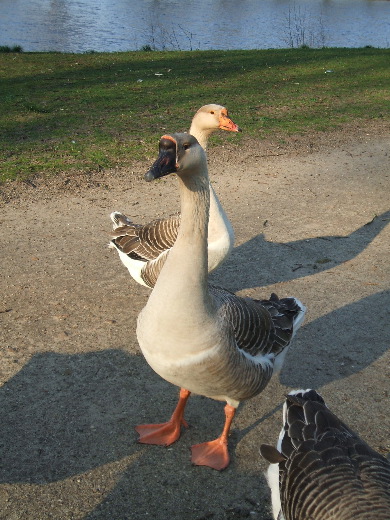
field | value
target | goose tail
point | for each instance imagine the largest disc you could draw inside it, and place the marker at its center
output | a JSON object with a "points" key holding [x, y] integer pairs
{"points": [[299, 317], [291, 308], [124, 235], [119, 220], [288, 315]]}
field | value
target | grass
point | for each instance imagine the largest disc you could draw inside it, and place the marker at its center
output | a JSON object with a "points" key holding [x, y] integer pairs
{"points": [[84, 112], [7, 48]]}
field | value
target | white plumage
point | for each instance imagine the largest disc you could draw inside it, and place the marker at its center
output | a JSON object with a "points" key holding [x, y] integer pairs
{"points": [[143, 248]]}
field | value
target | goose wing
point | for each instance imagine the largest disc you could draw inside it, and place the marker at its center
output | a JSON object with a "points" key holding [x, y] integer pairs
{"points": [[260, 326], [325, 470], [144, 242]]}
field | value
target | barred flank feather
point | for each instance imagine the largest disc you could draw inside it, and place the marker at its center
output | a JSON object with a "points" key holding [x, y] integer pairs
{"points": [[326, 472], [260, 326], [147, 241]]}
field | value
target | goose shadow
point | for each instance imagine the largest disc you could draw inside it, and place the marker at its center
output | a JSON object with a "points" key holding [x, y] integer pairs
{"points": [[339, 344], [62, 415], [66, 415], [170, 491], [268, 263]]}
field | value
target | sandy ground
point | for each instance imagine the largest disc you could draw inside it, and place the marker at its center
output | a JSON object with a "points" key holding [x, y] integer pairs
{"points": [[311, 220]]}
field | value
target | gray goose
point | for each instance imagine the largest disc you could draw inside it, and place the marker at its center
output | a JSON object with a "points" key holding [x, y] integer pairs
{"points": [[144, 248], [321, 469], [202, 338]]}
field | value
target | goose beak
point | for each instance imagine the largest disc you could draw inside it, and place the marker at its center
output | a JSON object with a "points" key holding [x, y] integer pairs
{"points": [[166, 160], [164, 165], [225, 123]]}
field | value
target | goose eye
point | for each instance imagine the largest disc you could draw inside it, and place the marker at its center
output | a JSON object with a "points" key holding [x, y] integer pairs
{"points": [[212, 112], [186, 146]]}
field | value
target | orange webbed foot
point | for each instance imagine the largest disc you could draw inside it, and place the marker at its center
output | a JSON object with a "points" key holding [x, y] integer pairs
{"points": [[167, 433], [162, 434], [214, 454]]}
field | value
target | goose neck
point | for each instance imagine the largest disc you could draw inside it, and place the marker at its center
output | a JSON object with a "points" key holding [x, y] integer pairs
{"points": [[202, 135], [195, 208]]}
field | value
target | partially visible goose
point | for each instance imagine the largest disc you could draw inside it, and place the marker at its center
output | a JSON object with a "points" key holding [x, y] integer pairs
{"points": [[143, 248], [322, 470], [202, 338]]}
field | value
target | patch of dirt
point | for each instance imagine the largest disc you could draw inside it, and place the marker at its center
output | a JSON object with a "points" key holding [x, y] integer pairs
{"points": [[311, 219]]}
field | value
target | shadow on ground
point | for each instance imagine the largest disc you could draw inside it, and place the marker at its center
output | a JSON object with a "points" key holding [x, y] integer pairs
{"points": [[63, 415], [321, 354], [294, 259]]}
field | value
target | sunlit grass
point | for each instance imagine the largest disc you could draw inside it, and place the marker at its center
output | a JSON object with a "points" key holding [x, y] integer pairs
{"points": [[86, 112]]}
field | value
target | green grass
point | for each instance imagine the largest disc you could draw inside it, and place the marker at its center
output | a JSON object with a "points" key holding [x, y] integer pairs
{"points": [[85, 112]]}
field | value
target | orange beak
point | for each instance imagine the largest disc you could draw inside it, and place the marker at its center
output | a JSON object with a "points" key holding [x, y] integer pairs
{"points": [[225, 123]]}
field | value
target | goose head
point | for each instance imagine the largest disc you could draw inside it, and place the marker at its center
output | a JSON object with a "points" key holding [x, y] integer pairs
{"points": [[212, 117], [178, 153]]}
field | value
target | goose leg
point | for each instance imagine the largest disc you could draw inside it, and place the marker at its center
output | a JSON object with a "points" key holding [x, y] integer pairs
{"points": [[167, 433], [215, 453]]}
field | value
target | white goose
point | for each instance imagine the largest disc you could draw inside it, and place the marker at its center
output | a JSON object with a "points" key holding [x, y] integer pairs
{"points": [[143, 248], [322, 470], [202, 338]]}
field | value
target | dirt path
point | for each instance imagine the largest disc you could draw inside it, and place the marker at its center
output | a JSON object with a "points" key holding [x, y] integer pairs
{"points": [[310, 221]]}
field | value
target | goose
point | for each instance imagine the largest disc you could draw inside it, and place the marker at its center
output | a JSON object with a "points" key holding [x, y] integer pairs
{"points": [[322, 470], [199, 337], [143, 248]]}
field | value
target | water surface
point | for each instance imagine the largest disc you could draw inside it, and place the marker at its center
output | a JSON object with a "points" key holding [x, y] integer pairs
{"points": [[120, 25]]}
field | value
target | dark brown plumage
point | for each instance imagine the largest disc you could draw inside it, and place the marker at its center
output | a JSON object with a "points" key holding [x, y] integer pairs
{"points": [[325, 470]]}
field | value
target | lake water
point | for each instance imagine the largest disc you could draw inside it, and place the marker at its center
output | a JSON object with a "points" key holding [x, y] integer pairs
{"points": [[121, 25]]}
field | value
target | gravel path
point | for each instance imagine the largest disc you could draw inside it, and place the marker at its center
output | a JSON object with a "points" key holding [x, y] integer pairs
{"points": [[311, 220]]}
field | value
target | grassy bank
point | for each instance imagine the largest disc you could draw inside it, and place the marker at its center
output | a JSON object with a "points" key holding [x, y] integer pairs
{"points": [[91, 111]]}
